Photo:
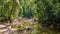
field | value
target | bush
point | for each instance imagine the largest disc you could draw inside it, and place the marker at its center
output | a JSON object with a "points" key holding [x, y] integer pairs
{"points": [[48, 11]]}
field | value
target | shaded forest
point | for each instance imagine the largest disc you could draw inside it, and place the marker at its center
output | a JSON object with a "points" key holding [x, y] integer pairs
{"points": [[31, 16]]}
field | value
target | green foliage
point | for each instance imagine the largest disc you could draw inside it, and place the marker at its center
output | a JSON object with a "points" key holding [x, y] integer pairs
{"points": [[12, 9], [9, 9], [48, 12], [29, 12], [29, 9]]}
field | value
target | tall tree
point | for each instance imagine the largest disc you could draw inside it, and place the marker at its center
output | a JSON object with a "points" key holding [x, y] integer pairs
{"points": [[48, 13]]}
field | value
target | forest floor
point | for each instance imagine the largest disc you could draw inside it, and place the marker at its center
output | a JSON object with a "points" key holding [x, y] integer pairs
{"points": [[18, 26], [24, 26]]}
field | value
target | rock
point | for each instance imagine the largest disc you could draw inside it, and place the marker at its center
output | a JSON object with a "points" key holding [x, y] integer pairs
{"points": [[4, 31], [2, 26], [13, 31]]}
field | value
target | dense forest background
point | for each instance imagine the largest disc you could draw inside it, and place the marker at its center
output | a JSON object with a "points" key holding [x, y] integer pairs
{"points": [[47, 13]]}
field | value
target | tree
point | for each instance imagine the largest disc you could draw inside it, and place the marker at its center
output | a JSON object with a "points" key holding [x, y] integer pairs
{"points": [[9, 9], [29, 8], [48, 12]]}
